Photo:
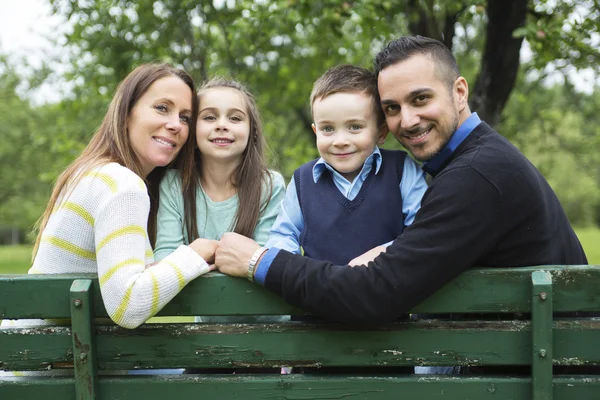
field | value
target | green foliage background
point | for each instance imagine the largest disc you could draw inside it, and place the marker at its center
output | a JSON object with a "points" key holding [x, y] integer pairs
{"points": [[279, 47]]}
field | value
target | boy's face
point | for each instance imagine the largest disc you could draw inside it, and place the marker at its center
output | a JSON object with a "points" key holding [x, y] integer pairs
{"points": [[347, 131]]}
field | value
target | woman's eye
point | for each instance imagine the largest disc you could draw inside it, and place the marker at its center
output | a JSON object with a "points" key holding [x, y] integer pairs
{"points": [[185, 119], [161, 107]]}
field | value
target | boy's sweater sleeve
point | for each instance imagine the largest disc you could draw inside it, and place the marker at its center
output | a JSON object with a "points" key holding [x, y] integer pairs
{"points": [[132, 292], [458, 222]]}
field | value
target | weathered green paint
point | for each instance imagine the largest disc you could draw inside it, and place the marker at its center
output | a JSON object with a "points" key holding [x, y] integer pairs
{"points": [[505, 340], [84, 349], [541, 327], [432, 342], [479, 290], [250, 387]]}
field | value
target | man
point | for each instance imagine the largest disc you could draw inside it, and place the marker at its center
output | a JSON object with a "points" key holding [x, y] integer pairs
{"points": [[487, 205]]}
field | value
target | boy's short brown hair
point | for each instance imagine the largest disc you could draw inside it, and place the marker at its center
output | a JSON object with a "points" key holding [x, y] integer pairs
{"points": [[348, 78]]}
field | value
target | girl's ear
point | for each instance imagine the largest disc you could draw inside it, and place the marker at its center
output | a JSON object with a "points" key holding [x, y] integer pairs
{"points": [[314, 128]]}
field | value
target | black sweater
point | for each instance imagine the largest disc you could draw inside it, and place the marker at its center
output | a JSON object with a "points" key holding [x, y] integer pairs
{"points": [[489, 206]]}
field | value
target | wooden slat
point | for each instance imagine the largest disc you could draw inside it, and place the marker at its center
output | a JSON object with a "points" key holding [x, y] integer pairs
{"points": [[478, 290], [429, 342], [303, 387]]}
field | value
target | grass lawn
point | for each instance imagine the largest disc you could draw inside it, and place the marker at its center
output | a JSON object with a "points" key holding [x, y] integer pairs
{"points": [[17, 259]]}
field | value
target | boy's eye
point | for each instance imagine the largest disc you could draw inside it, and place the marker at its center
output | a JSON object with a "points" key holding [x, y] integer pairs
{"points": [[355, 127], [185, 119], [327, 128]]}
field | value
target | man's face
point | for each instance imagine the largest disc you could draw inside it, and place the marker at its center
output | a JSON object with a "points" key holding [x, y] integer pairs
{"points": [[421, 111]]}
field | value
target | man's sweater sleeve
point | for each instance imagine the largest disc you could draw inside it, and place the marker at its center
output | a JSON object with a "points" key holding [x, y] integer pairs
{"points": [[459, 221]]}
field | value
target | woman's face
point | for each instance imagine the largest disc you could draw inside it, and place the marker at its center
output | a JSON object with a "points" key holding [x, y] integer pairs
{"points": [[158, 124]]}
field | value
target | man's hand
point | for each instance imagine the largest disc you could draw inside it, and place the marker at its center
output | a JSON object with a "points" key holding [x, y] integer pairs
{"points": [[367, 257], [234, 254], [205, 248]]}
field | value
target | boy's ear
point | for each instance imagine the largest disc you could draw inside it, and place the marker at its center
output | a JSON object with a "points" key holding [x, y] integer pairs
{"points": [[314, 128], [383, 132]]}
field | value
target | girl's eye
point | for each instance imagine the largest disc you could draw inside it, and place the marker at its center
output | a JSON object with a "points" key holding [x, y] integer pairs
{"points": [[185, 119], [209, 117], [236, 118]]}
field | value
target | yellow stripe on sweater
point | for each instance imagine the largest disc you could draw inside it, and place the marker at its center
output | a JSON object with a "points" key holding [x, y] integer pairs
{"points": [[155, 293], [70, 247], [180, 276], [108, 274], [118, 318], [126, 230], [149, 253], [79, 210], [107, 179]]}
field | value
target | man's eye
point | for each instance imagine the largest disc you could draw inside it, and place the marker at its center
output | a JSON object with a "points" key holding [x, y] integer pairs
{"points": [[392, 108]]}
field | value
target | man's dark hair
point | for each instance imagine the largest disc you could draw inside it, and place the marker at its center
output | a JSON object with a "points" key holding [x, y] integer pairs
{"points": [[407, 46]]}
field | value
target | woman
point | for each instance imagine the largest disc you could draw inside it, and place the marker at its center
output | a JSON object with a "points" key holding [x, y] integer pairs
{"points": [[101, 216]]}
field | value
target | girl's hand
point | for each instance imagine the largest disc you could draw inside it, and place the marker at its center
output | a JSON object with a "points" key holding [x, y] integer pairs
{"points": [[205, 248]]}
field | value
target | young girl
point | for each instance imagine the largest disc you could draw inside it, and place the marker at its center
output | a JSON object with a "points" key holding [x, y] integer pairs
{"points": [[226, 185]]}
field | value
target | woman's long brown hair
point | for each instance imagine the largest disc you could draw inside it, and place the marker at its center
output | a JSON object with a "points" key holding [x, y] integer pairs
{"points": [[111, 143], [249, 178]]}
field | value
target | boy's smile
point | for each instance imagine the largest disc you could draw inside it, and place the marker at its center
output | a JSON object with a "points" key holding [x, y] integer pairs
{"points": [[347, 131]]}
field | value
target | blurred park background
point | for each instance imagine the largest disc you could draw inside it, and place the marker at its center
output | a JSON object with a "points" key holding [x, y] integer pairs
{"points": [[532, 66]]}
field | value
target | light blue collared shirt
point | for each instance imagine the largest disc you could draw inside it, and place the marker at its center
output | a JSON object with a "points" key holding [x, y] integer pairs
{"points": [[285, 233]]}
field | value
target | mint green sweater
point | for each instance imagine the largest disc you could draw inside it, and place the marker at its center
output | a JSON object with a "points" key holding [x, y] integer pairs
{"points": [[213, 218]]}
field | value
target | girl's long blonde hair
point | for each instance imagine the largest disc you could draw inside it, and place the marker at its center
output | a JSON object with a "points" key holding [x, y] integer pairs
{"points": [[111, 143], [248, 179]]}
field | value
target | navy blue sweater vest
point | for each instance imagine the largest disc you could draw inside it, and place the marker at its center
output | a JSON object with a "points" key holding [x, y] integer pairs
{"points": [[337, 229]]}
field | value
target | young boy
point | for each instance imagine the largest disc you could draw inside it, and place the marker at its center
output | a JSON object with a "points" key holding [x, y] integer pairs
{"points": [[355, 198]]}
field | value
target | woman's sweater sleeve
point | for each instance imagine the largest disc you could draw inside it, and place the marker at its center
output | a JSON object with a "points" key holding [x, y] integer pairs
{"points": [[132, 292]]}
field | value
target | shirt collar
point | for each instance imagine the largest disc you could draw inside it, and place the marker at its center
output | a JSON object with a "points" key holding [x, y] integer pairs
{"points": [[435, 165], [320, 166]]}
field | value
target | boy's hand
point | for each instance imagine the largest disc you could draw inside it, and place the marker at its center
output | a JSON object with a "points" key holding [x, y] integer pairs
{"points": [[234, 254], [367, 257]]}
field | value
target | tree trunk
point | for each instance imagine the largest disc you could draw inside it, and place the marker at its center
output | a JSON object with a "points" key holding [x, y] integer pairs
{"points": [[500, 61]]}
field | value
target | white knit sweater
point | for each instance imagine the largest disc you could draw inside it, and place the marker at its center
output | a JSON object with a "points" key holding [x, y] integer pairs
{"points": [[101, 227]]}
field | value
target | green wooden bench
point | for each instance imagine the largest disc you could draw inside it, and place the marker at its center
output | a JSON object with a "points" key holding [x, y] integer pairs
{"points": [[534, 338]]}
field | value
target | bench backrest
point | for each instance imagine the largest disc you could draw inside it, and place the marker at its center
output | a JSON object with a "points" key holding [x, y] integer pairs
{"points": [[521, 332]]}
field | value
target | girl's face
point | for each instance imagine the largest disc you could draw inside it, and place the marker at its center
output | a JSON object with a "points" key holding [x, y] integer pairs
{"points": [[223, 125], [158, 124]]}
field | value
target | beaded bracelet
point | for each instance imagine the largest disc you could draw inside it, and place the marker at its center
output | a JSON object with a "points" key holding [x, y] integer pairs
{"points": [[253, 261]]}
